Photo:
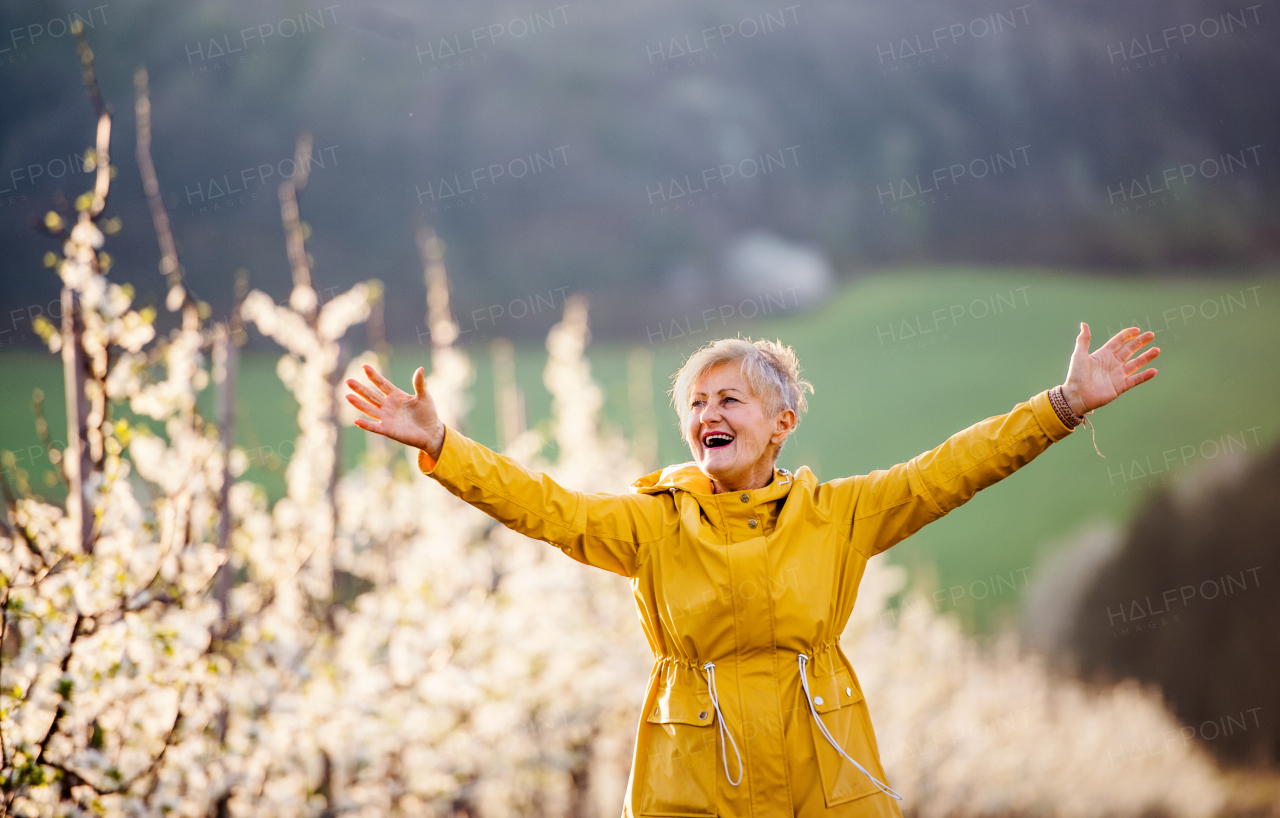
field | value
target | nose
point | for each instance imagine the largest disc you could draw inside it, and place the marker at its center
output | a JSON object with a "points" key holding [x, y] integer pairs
{"points": [[710, 414]]}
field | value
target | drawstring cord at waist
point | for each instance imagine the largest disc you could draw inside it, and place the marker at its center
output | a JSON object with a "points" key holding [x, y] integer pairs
{"points": [[804, 682], [710, 668]]}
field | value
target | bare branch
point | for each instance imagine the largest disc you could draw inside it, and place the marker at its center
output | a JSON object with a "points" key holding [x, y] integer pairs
{"points": [[103, 155], [303, 298], [86, 67], [170, 266], [440, 321], [301, 161]]}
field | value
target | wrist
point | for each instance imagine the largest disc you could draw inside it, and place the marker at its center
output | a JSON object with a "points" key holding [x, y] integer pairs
{"points": [[1074, 400], [1063, 410], [435, 441]]}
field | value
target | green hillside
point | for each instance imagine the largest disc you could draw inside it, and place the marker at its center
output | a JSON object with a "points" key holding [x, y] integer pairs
{"points": [[899, 362]]}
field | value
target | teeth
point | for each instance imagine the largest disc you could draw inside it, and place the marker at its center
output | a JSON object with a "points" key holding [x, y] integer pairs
{"points": [[716, 440]]}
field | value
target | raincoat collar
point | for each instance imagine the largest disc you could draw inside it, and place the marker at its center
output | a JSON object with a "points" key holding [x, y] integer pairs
{"points": [[688, 477]]}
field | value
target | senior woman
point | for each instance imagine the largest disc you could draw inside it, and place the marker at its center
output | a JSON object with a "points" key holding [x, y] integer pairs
{"points": [[745, 574]]}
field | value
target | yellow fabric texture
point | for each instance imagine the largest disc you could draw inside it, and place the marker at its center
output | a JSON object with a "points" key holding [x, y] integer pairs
{"points": [[710, 587]]}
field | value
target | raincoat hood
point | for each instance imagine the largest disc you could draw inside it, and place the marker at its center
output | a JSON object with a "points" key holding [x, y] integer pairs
{"points": [[688, 477]]}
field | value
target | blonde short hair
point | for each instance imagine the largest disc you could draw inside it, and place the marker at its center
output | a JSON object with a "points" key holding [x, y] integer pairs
{"points": [[771, 368]]}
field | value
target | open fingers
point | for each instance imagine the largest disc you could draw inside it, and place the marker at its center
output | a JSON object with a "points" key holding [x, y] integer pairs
{"points": [[370, 425], [1141, 361], [1119, 339], [1134, 344], [363, 405], [1139, 377], [365, 392], [382, 383]]}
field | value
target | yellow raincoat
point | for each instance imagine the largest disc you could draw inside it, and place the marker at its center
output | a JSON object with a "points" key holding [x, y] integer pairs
{"points": [[737, 593]]}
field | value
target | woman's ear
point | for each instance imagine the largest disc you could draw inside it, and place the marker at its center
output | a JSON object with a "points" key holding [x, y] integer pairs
{"points": [[783, 426]]}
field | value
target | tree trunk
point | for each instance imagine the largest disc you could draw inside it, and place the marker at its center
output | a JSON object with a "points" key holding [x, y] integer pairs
{"points": [[77, 461]]}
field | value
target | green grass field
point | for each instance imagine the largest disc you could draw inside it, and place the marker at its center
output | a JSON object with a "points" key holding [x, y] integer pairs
{"points": [[900, 361]]}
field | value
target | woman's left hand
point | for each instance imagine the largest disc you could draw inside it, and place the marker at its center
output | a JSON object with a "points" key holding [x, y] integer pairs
{"points": [[1096, 379]]}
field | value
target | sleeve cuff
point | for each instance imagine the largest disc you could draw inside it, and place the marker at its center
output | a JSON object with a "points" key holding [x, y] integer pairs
{"points": [[1049, 421]]}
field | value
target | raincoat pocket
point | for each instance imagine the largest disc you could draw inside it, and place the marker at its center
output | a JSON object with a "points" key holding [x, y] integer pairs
{"points": [[840, 704], [680, 768]]}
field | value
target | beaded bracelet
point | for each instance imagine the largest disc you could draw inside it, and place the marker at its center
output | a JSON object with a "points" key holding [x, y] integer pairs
{"points": [[1062, 407]]}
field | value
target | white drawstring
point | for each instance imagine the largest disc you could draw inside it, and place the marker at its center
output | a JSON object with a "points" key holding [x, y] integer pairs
{"points": [[710, 668], [804, 682]]}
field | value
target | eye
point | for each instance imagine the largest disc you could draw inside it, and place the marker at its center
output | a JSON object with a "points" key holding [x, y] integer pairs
{"points": [[727, 399]]}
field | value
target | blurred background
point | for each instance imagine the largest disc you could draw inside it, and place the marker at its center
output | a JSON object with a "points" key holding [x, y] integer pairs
{"points": [[924, 199]]}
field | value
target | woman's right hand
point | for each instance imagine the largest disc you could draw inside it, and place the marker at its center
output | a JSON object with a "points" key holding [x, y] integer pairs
{"points": [[410, 419]]}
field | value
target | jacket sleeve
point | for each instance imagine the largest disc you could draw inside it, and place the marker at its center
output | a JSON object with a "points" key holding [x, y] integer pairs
{"points": [[601, 530], [887, 506]]}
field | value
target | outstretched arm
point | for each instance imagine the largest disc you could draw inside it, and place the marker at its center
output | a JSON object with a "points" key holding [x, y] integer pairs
{"points": [[602, 530], [887, 506]]}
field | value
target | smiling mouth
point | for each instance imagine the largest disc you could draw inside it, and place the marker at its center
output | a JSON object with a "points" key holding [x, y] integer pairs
{"points": [[717, 440]]}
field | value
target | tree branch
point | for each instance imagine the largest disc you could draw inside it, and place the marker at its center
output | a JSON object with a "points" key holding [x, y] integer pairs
{"points": [[62, 707]]}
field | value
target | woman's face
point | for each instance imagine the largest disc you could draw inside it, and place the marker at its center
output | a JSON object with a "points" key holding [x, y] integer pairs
{"points": [[730, 431]]}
